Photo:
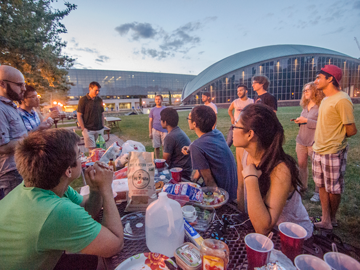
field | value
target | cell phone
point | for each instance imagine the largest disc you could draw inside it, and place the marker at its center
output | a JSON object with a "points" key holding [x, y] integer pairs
{"points": [[292, 119]]}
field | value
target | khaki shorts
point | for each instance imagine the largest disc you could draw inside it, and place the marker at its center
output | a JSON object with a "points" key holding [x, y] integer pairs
{"points": [[303, 150], [90, 137], [158, 138]]}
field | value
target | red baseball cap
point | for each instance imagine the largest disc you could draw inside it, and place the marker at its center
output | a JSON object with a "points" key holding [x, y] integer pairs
{"points": [[333, 71]]}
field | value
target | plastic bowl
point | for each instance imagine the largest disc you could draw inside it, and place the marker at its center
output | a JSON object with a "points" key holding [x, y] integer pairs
{"points": [[207, 193]]}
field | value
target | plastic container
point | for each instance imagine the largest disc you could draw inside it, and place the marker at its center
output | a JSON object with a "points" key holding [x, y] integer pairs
{"points": [[188, 257], [164, 225]]}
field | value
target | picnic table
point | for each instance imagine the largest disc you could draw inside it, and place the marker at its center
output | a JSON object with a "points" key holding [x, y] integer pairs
{"points": [[113, 121], [235, 237]]}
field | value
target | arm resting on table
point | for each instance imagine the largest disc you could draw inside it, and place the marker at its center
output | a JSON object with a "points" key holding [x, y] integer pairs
{"points": [[167, 157], [110, 240], [208, 178]]}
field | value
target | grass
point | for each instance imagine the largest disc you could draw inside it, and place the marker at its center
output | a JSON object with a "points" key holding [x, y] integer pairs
{"points": [[136, 127]]}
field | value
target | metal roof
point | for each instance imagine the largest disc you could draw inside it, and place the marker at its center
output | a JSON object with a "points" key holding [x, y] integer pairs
{"points": [[249, 57]]}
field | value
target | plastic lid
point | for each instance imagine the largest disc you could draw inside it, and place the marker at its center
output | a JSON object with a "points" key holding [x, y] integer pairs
{"points": [[134, 226]]}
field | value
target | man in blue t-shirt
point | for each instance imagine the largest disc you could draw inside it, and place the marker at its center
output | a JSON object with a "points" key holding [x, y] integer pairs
{"points": [[43, 216], [210, 154], [174, 142], [156, 132]]}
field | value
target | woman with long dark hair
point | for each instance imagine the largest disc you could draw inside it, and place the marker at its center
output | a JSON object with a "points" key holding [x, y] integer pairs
{"points": [[310, 102], [271, 177]]}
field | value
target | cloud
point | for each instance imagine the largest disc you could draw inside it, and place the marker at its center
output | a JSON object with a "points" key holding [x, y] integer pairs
{"points": [[140, 30], [180, 40], [156, 53], [337, 31], [102, 59]]}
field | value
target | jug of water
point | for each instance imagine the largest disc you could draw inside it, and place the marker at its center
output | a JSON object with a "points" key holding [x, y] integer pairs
{"points": [[164, 225]]}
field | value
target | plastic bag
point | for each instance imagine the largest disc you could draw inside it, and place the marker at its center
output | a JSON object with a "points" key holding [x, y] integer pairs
{"points": [[120, 174], [130, 146], [111, 153], [122, 160], [96, 154]]}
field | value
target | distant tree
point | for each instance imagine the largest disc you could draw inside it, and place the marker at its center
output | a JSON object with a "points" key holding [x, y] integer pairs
{"points": [[30, 41]]}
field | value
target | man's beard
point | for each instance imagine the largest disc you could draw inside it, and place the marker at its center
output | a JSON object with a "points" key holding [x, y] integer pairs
{"points": [[12, 94]]}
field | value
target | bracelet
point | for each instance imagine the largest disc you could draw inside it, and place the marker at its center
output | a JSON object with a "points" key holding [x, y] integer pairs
{"points": [[251, 175]]}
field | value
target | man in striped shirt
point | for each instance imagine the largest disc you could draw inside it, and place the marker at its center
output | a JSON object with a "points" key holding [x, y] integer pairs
{"points": [[30, 117]]}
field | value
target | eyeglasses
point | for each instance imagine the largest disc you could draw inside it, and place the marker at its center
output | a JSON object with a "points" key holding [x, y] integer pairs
{"points": [[188, 118], [235, 127], [18, 84]]}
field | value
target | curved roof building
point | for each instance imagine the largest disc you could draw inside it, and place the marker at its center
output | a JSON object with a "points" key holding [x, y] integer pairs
{"points": [[288, 67]]}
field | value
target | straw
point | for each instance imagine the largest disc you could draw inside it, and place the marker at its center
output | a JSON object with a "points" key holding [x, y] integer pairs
{"points": [[334, 249], [267, 239]]}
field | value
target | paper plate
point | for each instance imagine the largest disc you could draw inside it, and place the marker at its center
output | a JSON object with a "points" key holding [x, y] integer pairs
{"points": [[147, 261]]}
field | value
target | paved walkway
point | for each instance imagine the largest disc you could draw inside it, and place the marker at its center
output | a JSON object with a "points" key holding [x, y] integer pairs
{"points": [[113, 138]]}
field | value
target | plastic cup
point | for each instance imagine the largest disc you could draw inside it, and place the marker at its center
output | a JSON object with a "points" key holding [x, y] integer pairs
{"points": [[176, 174], [340, 261], [189, 213], [159, 163], [292, 239], [257, 255], [310, 262]]}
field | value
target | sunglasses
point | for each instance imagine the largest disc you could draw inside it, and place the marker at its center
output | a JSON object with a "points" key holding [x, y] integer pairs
{"points": [[18, 84]]}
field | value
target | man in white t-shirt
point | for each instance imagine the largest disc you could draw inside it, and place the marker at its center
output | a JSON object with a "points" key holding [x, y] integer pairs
{"points": [[237, 105], [206, 98]]}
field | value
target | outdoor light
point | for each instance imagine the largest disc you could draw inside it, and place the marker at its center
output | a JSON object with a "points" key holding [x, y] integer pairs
{"points": [[103, 104], [54, 102], [39, 96]]}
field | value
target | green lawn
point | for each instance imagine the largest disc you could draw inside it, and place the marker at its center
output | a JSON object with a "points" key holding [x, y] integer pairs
{"points": [[135, 127]]}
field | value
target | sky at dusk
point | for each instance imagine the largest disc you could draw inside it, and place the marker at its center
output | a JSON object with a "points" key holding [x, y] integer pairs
{"points": [[187, 36]]}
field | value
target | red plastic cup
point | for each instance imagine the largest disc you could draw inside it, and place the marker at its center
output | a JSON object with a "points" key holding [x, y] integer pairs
{"points": [[159, 163], [176, 174], [292, 239], [257, 255]]}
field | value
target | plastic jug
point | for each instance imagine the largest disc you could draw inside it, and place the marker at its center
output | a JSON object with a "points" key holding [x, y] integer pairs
{"points": [[164, 225]]}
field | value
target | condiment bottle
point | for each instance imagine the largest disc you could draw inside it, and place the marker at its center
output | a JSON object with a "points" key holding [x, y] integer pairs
{"points": [[112, 164]]}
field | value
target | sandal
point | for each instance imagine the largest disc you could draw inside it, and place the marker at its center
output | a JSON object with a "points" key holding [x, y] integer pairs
{"points": [[317, 219]]}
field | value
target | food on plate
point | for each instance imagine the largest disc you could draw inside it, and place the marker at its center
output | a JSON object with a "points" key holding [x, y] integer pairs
{"points": [[159, 184], [213, 198]]}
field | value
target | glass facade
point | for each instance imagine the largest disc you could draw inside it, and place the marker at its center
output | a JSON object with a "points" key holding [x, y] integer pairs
{"points": [[126, 84], [287, 77]]}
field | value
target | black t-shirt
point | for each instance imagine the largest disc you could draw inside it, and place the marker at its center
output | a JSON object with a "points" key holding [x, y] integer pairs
{"points": [[91, 110], [173, 143], [267, 99]]}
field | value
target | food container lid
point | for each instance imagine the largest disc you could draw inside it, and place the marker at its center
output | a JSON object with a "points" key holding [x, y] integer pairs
{"points": [[134, 226], [188, 256]]}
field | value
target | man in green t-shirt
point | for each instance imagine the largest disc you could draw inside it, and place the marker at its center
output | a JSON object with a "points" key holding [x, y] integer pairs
{"points": [[43, 217], [335, 123]]}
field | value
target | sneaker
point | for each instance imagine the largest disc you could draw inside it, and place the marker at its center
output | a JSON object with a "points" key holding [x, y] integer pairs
{"points": [[315, 197]]}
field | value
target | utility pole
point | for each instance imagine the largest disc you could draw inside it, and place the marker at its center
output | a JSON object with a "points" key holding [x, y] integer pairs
{"points": [[357, 42]]}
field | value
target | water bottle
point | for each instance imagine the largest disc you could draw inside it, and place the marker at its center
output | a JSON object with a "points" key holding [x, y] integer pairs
{"points": [[164, 225], [100, 142]]}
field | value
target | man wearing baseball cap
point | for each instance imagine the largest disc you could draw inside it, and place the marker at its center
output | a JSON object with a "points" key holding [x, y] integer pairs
{"points": [[335, 123]]}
